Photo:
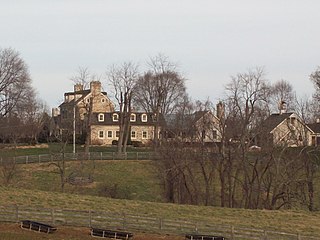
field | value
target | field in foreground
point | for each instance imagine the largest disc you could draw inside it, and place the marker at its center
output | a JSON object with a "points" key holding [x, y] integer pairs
{"points": [[287, 221], [14, 232]]}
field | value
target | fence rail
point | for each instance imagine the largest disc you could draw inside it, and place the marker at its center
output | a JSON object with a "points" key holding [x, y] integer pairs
{"points": [[131, 222], [43, 158]]}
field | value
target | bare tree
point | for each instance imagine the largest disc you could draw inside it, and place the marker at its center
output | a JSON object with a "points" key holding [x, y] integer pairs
{"points": [[160, 90], [282, 92], [315, 78], [123, 80], [14, 80]]}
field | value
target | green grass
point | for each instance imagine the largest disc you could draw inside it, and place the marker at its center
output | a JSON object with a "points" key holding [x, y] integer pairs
{"points": [[21, 150], [288, 221], [119, 179]]}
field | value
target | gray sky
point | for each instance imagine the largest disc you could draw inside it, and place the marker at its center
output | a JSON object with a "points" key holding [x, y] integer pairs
{"points": [[210, 40]]}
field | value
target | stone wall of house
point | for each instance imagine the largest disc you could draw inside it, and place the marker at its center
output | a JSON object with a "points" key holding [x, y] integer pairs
{"points": [[109, 134], [292, 134]]}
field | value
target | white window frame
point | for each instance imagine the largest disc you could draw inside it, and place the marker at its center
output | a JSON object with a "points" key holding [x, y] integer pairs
{"points": [[117, 134], [115, 117], [145, 137], [109, 131], [144, 117], [135, 135], [99, 136], [101, 117], [132, 117]]}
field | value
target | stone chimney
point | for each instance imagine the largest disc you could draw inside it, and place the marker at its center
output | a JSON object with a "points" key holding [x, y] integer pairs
{"points": [[78, 87], [55, 112], [95, 87], [220, 110], [282, 107]]}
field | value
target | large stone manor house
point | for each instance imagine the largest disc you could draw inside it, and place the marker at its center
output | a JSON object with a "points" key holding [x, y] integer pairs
{"points": [[73, 115]]}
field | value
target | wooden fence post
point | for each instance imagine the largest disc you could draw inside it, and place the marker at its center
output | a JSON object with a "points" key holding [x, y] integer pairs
{"points": [[160, 223], [90, 218], [124, 221], [17, 213], [298, 236], [265, 235], [232, 232], [52, 216]]}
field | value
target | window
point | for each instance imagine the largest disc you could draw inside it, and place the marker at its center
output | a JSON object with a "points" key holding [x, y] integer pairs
{"points": [[117, 134], [203, 134], [154, 117], [132, 117], [101, 117], [103, 100], [88, 100], [109, 134], [214, 134], [293, 120], [144, 117], [144, 134], [101, 134], [133, 135], [115, 117]]}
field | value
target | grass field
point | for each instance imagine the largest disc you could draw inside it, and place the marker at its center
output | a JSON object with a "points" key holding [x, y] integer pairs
{"points": [[288, 221], [37, 185], [10, 150], [118, 179]]}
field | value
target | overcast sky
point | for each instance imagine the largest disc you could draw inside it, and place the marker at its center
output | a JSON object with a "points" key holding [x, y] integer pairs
{"points": [[210, 40]]}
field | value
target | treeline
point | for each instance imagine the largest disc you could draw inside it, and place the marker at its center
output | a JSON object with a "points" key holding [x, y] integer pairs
{"points": [[22, 114]]}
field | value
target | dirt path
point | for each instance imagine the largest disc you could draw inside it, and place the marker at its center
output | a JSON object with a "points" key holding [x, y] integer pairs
{"points": [[12, 231]]}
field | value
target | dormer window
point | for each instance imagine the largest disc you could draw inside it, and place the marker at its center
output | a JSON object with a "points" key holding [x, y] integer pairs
{"points": [[115, 117], [101, 117], [144, 118], [132, 117]]}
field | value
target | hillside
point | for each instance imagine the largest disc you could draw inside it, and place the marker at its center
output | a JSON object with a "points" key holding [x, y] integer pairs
{"points": [[288, 221]]}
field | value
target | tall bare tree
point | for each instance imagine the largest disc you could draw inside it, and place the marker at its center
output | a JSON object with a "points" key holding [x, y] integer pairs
{"points": [[160, 90], [123, 79], [282, 92], [14, 80]]}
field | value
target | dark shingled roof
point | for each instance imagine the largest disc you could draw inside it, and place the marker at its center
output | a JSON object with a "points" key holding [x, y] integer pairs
{"points": [[315, 127], [109, 121], [274, 120]]}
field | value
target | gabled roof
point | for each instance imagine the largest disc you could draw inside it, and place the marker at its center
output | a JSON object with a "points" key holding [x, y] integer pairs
{"points": [[315, 127], [274, 120]]}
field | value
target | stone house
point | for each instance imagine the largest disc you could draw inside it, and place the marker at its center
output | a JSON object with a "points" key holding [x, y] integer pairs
{"points": [[315, 135], [81, 104], [198, 127], [105, 128], [284, 129]]}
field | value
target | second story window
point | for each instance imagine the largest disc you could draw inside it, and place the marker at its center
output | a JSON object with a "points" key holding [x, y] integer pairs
{"points": [[144, 118], [132, 117], [101, 117], [115, 117]]}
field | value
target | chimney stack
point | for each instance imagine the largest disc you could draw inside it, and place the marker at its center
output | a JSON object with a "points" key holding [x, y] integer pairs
{"points": [[78, 87], [95, 87], [220, 110], [282, 107]]}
